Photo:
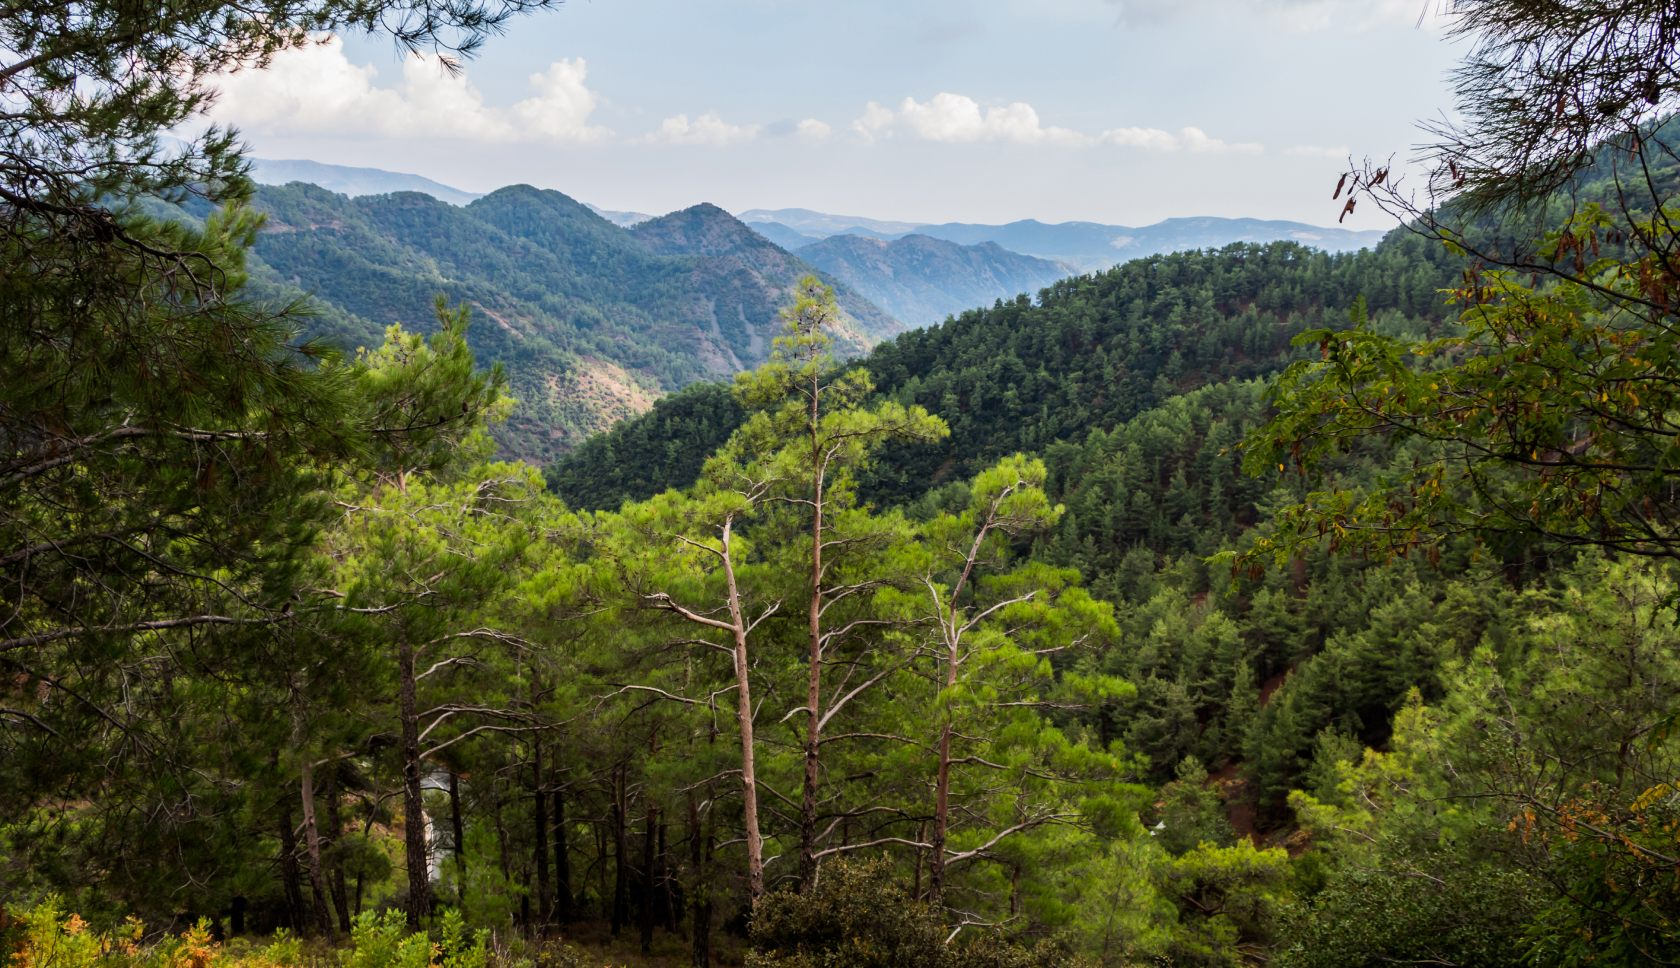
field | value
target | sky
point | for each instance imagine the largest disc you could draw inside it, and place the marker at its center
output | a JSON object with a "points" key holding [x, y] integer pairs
{"points": [[1115, 111]]}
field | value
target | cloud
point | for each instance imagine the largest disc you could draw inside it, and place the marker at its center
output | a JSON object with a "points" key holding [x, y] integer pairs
{"points": [[316, 90], [1187, 139], [955, 119], [875, 123], [813, 130], [1313, 151], [1194, 140], [708, 129], [1153, 139]]}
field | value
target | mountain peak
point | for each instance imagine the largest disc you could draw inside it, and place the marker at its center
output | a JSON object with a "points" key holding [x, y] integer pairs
{"points": [[702, 229]]}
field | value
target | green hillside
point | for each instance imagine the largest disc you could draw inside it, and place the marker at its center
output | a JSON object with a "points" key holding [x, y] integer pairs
{"points": [[1090, 353], [593, 322], [1136, 386]]}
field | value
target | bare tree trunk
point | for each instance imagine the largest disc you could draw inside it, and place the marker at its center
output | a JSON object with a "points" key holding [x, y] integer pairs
{"points": [[744, 716], [941, 806], [459, 830], [335, 864], [414, 805], [312, 842], [942, 787], [649, 835], [290, 882], [813, 688]]}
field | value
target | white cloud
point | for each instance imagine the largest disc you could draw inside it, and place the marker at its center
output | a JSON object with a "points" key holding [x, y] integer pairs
{"points": [[708, 129], [955, 119], [562, 105], [1152, 138], [1313, 151], [316, 90], [1187, 139], [875, 123], [813, 130], [1194, 140]]}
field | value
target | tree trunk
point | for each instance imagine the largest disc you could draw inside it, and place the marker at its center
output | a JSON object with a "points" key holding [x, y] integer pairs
{"points": [[414, 806], [459, 830], [562, 861], [539, 815], [290, 882], [814, 662], [942, 787], [649, 836], [312, 841], [941, 805], [335, 864], [744, 716], [699, 892]]}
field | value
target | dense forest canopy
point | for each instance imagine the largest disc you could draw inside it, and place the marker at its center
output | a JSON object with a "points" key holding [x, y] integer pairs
{"points": [[1229, 607]]}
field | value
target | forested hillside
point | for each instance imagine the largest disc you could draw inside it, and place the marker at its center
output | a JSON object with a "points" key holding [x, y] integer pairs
{"points": [[593, 322], [1088, 353]]}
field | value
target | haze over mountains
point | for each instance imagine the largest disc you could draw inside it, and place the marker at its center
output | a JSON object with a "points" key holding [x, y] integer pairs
{"points": [[1090, 246]]}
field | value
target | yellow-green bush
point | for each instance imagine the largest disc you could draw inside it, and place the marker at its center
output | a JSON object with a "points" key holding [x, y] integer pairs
{"points": [[47, 937]]}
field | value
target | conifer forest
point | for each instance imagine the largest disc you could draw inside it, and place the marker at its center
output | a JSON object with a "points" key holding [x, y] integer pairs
{"points": [[1241, 606]]}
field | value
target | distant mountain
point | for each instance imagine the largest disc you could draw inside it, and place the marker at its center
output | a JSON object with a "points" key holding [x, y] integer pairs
{"points": [[807, 222], [1089, 246], [746, 277], [353, 181], [592, 322], [620, 219], [922, 280], [789, 239], [1092, 246]]}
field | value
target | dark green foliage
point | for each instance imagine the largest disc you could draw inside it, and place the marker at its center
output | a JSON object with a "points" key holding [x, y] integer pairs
{"points": [[860, 917], [664, 448], [1192, 812], [1464, 914]]}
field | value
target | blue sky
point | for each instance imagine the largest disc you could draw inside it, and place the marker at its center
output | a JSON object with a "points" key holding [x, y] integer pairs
{"points": [[987, 111]]}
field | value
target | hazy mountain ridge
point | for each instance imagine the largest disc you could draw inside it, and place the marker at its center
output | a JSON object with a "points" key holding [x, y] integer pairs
{"points": [[353, 181], [922, 280], [1090, 246]]}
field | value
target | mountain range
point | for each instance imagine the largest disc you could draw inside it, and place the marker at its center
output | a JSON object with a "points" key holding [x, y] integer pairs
{"points": [[595, 314], [1090, 246], [591, 321]]}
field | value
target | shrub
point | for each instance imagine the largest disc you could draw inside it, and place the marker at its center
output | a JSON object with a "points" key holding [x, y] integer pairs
{"points": [[859, 917]]}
